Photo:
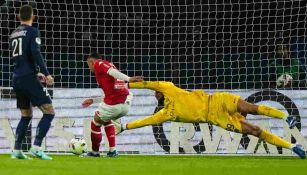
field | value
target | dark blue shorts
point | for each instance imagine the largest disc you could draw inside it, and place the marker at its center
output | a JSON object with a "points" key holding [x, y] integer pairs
{"points": [[30, 92]]}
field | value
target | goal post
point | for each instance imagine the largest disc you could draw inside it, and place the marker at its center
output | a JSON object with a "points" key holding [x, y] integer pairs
{"points": [[257, 50]]}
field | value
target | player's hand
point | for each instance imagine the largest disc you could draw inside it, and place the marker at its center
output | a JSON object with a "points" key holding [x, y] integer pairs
{"points": [[136, 79], [41, 77], [87, 102], [49, 80]]}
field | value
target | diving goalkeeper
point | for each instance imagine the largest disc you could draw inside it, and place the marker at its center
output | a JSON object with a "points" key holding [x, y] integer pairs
{"points": [[221, 109]]}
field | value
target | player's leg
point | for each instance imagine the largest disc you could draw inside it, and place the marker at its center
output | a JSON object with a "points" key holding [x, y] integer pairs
{"points": [[245, 107], [256, 131], [44, 124], [103, 117], [26, 116], [108, 114], [96, 136], [40, 98], [23, 103], [234, 104], [42, 130], [109, 129]]}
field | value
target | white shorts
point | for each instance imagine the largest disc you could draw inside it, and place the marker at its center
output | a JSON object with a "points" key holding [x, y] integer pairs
{"points": [[113, 112]]}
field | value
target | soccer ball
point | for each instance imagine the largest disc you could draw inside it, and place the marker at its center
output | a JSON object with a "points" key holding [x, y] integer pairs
{"points": [[78, 146], [283, 80]]}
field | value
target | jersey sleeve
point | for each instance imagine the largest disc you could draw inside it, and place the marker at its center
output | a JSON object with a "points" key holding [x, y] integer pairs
{"points": [[160, 86], [154, 119], [36, 53], [118, 75]]}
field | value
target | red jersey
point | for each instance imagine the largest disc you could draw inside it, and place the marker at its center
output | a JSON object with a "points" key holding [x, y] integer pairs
{"points": [[115, 90]]}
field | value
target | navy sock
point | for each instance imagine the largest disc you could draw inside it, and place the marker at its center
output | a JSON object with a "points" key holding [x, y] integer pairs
{"points": [[42, 128], [21, 131]]}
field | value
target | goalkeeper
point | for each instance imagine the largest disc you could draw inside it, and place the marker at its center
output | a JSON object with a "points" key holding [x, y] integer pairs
{"points": [[221, 109]]}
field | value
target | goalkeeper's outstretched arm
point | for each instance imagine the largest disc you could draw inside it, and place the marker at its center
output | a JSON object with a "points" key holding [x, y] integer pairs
{"points": [[160, 86], [155, 119]]}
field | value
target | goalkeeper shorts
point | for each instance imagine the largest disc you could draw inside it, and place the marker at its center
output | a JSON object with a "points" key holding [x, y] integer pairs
{"points": [[223, 112]]}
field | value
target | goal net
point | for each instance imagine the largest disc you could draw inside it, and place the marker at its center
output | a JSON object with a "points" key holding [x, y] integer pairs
{"points": [[255, 49]]}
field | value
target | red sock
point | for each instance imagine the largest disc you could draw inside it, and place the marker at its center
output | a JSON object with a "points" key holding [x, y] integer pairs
{"points": [[96, 136], [110, 132]]}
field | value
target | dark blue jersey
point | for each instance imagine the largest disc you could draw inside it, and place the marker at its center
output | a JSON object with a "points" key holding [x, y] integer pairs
{"points": [[25, 51]]}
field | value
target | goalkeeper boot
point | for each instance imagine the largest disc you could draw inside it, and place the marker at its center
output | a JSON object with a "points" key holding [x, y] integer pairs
{"points": [[291, 121], [298, 149], [37, 152], [112, 153], [92, 154], [18, 154]]}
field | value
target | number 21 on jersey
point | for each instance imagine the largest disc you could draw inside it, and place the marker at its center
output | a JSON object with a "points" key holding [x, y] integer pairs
{"points": [[17, 47]]}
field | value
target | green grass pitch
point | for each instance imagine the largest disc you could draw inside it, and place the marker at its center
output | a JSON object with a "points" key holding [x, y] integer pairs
{"points": [[155, 165]]}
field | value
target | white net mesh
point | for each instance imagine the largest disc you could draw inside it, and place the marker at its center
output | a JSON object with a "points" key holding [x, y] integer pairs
{"points": [[237, 46]]}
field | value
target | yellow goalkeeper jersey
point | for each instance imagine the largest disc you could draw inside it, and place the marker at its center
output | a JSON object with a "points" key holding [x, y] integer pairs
{"points": [[179, 105]]}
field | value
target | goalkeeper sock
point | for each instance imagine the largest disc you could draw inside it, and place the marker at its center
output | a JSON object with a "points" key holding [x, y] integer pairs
{"points": [[274, 139], [271, 112], [96, 136], [21, 131], [110, 132], [42, 129]]}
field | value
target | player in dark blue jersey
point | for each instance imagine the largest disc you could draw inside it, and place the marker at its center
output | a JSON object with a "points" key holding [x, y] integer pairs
{"points": [[29, 68]]}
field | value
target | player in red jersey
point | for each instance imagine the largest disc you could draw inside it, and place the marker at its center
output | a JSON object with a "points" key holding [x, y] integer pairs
{"points": [[114, 105]]}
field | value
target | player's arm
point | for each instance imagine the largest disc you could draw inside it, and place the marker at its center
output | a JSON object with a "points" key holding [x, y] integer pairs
{"points": [[90, 101], [107, 68], [119, 75], [160, 86], [36, 53], [155, 119]]}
